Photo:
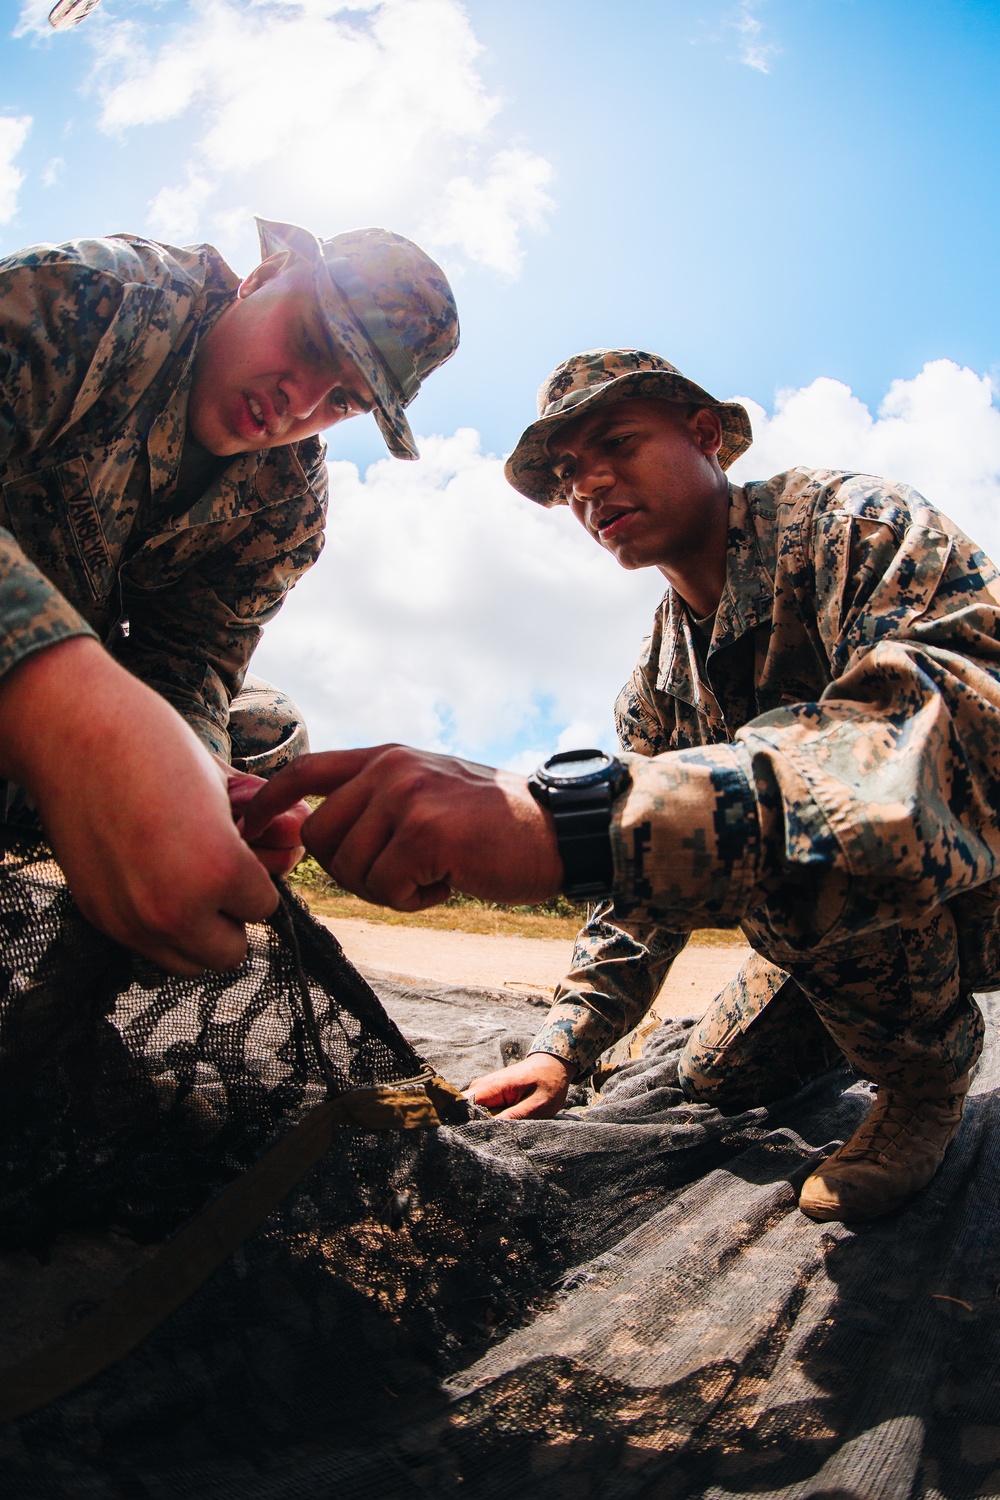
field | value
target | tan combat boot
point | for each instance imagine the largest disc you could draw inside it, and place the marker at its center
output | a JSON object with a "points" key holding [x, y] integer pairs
{"points": [[890, 1157]]}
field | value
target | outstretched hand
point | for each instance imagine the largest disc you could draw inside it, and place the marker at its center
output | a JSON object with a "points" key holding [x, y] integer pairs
{"points": [[404, 827], [534, 1088]]}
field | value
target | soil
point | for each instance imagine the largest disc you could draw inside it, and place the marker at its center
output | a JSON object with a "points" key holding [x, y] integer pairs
{"points": [[524, 963]]}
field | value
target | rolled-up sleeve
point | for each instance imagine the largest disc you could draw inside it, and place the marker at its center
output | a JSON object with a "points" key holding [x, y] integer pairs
{"points": [[33, 613], [617, 971], [870, 805]]}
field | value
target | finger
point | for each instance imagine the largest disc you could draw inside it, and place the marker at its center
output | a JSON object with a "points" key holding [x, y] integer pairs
{"points": [[217, 944], [348, 834], [537, 1104], [495, 1089], [312, 775], [242, 787], [425, 896], [278, 861], [284, 831], [405, 872]]}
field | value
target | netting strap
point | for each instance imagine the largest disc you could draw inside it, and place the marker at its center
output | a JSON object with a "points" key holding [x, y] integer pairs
{"points": [[178, 1269]]}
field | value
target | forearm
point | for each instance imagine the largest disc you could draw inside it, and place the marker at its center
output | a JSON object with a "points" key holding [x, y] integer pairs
{"points": [[686, 839], [822, 820], [135, 811], [617, 972]]}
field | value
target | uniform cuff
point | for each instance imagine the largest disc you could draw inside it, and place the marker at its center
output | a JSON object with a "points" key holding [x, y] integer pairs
{"points": [[575, 1033], [33, 613], [686, 838]]}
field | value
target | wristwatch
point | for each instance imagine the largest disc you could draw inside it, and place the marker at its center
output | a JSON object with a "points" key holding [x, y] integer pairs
{"points": [[579, 788]]}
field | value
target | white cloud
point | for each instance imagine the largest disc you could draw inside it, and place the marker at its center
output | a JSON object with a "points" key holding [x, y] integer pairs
{"points": [[54, 169], [34, 18], [483, 219], [449, 612], [174, 212], [13, 134], [755, 52], [939, 431], [328, 113]]}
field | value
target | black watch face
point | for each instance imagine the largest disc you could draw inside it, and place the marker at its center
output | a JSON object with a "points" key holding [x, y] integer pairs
{"points": [[576, 768]]}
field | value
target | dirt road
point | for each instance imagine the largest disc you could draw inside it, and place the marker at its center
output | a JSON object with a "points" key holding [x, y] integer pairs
{"points": [[465, 958]]}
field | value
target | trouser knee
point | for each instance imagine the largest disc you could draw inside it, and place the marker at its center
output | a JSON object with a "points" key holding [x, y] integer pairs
{"points": [[895, 1003], [759, 1041], [712, 1076], [266, 729]]}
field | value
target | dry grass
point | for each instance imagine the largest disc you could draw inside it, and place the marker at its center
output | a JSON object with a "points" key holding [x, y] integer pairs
{"points": [[492, 920], [476, 917]]}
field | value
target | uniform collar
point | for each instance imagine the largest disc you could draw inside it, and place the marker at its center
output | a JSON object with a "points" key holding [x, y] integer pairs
{"points": [[747, 601], [748, 596]]}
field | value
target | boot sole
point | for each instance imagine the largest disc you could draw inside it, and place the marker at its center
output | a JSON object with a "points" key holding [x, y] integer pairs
{"points": [[840, 1215]]}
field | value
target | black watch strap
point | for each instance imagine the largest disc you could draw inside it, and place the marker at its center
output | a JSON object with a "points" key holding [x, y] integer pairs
{"points": [[582, 817], [583, 824]]}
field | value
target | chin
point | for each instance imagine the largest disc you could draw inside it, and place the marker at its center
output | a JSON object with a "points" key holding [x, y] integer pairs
{"points": [[632, 561]]}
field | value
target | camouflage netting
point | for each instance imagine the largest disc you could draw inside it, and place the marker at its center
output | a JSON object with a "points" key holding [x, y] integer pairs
{"points": [[621, 1302]]}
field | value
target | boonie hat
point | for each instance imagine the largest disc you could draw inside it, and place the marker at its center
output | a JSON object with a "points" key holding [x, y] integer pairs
{"points": [[599, 375], [388, 306]]}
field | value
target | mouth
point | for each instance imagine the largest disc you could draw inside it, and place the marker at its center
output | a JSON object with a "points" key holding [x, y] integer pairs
{"points": [[257, 417], [612, 522]]}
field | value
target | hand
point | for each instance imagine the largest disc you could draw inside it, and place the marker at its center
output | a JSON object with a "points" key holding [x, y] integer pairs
{"points": [[404, 827], [134, 806], [279, 847], [534, 1088]]}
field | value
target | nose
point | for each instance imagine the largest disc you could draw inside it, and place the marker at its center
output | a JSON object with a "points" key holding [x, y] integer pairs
{"points": [[591, 479], [304, 391]]}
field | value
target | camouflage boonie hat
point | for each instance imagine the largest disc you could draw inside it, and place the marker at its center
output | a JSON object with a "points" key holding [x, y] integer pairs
{"points": [[388, 306], [598, 375]]}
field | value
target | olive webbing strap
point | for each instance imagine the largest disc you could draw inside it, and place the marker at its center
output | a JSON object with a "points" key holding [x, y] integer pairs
{"points": [[180, 1266]]}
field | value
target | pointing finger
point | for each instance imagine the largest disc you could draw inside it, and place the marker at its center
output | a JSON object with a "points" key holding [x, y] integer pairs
{"points": [[307, 775]]}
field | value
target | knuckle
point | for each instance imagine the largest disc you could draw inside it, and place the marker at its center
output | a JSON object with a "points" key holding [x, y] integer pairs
{"points": [[161, 913]]}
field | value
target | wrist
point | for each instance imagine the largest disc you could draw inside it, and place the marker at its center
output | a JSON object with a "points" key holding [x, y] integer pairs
{"points": [[578, 789], [557, 1064]]}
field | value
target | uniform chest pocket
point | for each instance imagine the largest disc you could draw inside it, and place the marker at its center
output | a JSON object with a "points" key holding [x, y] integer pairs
{"points": [[54, 516]]}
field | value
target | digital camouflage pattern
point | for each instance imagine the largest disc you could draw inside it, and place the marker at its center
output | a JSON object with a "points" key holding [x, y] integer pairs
{"points": [[97, 346], [387, 305], [599, 375], [828, 777], [266, 729]]}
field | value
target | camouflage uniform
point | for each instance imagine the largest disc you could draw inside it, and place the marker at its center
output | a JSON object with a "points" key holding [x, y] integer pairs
{"points": [[98, 340], [826, 775]]}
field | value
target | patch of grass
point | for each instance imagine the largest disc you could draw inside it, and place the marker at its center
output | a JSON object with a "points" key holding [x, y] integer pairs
{"points": [[556, 918]]}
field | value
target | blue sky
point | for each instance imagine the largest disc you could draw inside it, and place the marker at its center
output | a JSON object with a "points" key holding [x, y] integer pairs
{"points": [[781, 196]]}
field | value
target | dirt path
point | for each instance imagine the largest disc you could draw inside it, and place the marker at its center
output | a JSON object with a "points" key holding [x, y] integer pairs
{"points": [[521, 963]]}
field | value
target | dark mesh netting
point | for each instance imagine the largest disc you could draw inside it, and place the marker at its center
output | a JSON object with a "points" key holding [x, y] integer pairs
{"points": [[624, 1301]]}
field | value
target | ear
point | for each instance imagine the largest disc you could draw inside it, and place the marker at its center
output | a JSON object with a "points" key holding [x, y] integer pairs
{"points": [[265, 272], [706, 426]]}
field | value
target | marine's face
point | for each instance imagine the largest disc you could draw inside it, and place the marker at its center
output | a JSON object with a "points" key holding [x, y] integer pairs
{"points": [[642, 477], [265, 373]]}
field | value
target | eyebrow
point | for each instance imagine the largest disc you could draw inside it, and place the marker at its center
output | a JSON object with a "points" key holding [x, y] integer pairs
{"points": [[596, 433]]}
